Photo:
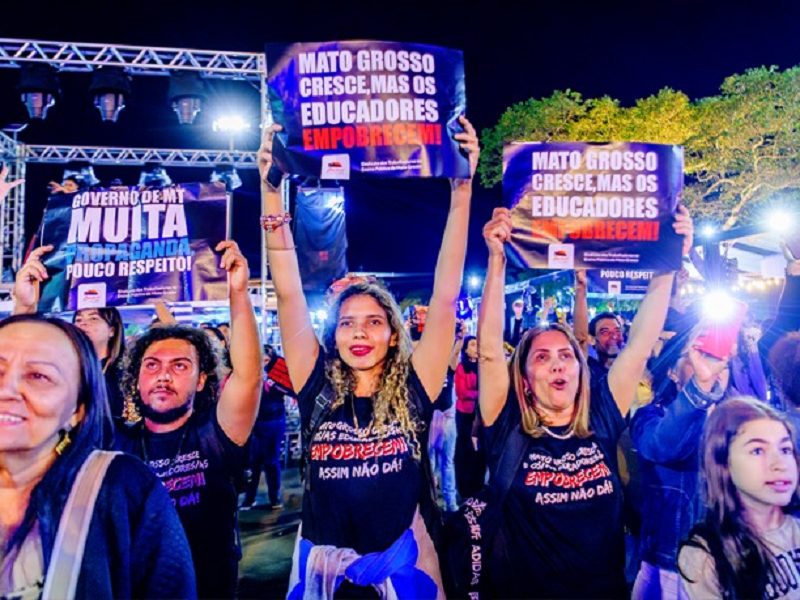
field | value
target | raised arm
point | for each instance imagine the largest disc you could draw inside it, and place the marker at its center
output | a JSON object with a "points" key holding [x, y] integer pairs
{"points": [[300, 344], [628, 368], [455, 353], [580, 325], [492, 368], [431, 355], [238, 405]]}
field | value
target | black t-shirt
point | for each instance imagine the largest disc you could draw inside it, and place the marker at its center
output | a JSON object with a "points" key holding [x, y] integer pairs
{"points": [[198, 464], [365, 483], [562, 518]]}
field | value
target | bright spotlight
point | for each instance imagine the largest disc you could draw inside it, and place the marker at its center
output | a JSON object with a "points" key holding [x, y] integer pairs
{"points": [[230, 123], [322, 315], [474, 282], [780, 221], [718, 306], [708, 231]]}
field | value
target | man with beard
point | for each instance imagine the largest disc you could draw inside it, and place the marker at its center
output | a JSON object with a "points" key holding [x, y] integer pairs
{"points": [[605, 330], [192, 433]]}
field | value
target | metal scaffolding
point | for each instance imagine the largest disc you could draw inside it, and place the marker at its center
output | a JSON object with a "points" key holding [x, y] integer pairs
{"points": [[135, 60]]}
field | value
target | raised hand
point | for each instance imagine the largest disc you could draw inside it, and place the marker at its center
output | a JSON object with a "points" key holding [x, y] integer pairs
{"points": [[707, 369], [234, 262], [26, 285], [684, 226], [498, 231], [469, 143]]}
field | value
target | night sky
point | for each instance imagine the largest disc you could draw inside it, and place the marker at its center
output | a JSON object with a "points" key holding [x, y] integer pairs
{"points": [[512, 52]]}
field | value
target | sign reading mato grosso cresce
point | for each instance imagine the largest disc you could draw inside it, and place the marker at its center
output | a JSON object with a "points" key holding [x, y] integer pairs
{"points": [[127, 245], [593, 205], [367, 107]]}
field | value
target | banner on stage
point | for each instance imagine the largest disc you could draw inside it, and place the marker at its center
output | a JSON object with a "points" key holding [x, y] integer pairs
{"points": [[125, 246], [619, 281], [593, 205], [370, 108]]}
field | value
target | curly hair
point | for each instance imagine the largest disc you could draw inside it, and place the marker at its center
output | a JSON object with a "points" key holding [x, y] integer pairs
{"points": [[391, 401], [208, 355]]}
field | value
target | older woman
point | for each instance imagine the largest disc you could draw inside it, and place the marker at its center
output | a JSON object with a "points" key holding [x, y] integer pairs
{"points": [[366, 484], [53, 415], [561, 521]]}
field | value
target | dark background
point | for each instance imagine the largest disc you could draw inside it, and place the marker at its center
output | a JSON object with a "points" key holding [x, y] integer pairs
{"points": [[512, 52]]}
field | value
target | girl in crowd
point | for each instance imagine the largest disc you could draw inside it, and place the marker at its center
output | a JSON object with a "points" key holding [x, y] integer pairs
{"points": [[470, 468], [561, 533], [364, 481], [53, 414], [747, 545], [666, 435]]}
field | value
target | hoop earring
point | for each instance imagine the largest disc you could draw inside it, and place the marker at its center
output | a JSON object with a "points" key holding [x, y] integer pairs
{"points": [[64, 442]]}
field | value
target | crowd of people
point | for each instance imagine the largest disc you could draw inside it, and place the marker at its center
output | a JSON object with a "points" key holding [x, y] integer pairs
{"points": [[617, 459]]}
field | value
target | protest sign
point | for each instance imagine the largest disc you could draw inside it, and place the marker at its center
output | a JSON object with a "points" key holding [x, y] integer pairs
{"points": [[593, 205], [129, 245], [367, 107], [618, 282]]}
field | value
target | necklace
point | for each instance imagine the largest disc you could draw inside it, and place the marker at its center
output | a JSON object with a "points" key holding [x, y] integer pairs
{"points": [[558, 436], [180, 443]]}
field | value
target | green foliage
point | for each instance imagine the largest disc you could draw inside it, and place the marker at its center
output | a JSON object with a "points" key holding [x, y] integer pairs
{"points": [[740, 146]]}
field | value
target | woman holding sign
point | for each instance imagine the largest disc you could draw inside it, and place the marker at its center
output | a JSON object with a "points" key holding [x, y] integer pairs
{"points": [[365, 405], [561, 523]]}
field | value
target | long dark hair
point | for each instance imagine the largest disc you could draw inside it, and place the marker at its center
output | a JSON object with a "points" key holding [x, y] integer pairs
{"points": [[94, 431], [208, 356], [469, 365], [742, 561]]}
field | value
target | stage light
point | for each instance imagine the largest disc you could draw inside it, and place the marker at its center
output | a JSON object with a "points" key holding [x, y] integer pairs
{"points": [[154, 174], [322, 315], [474, 282], [228, 175], [708, 231], [83, 173], [718, 306], [780, 221], [110, 88], [38, 85], [230, 124], [187, 92]]}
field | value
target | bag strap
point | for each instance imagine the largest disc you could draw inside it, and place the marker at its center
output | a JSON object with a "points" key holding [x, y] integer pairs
{"points": [[510, 459], [322, 407], [65, 561]]}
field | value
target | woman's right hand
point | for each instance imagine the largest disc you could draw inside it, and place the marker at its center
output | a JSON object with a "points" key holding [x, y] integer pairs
{"points": [[26, 285], [265, 161], [707, 369], [498, 231]]}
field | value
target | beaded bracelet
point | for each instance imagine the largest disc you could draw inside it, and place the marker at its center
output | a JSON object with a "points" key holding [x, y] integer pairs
{"points": [[272, 222]]}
